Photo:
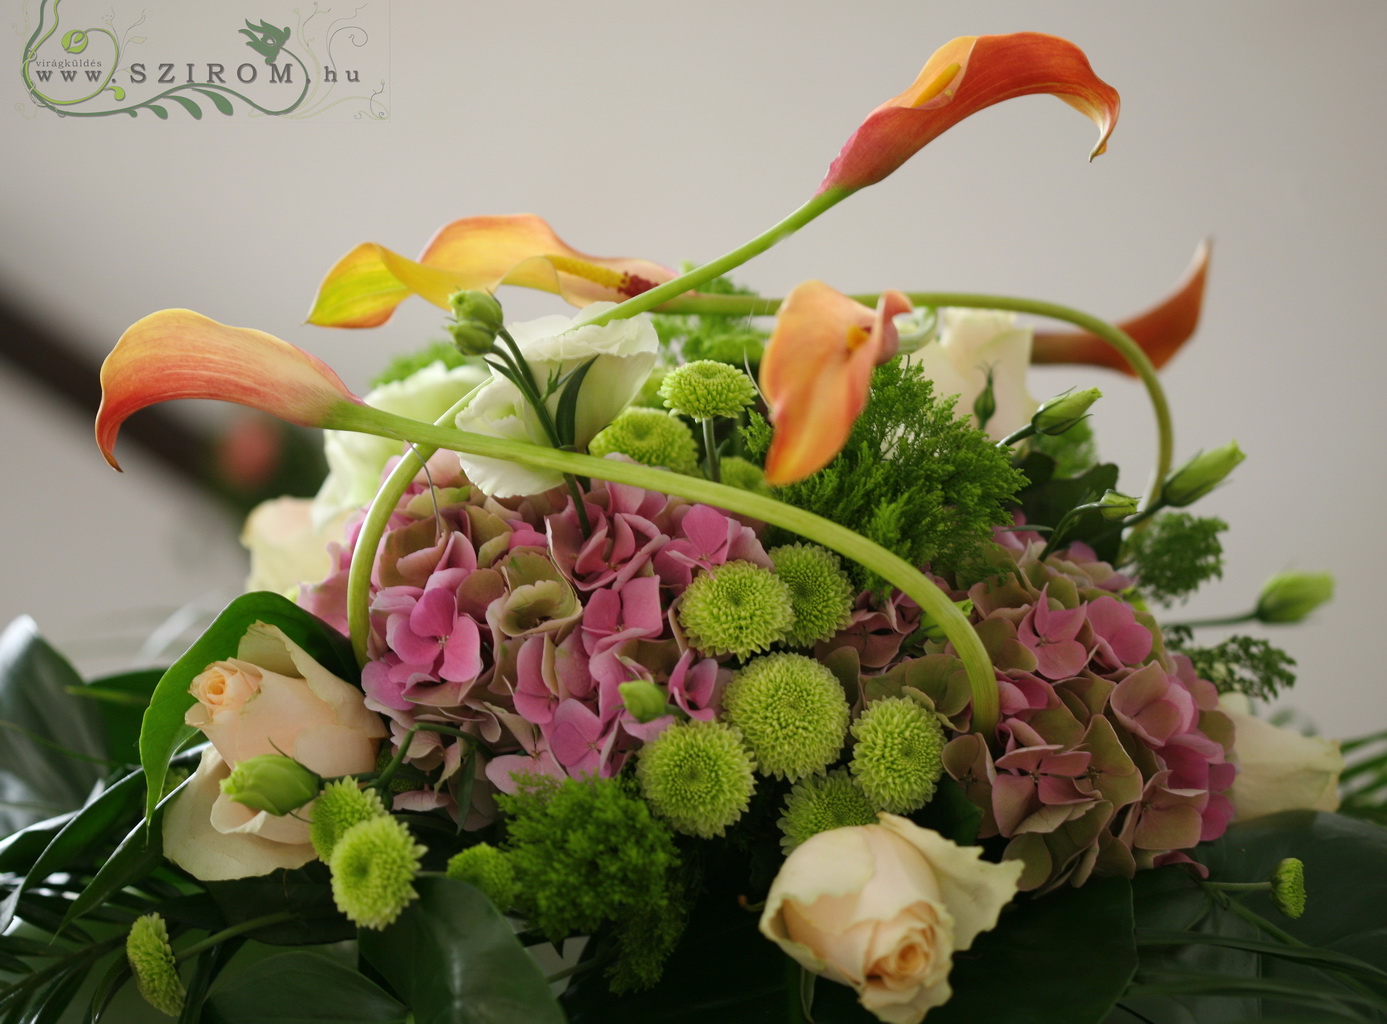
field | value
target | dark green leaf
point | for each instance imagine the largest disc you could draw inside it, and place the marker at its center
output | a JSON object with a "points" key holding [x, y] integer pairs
{"points": [[34, 698], [307, 891], [210, 963], [163, 731], [218, 100], [1312, 956], [566, 416], [117, 974], [121, 701], [455, 960], [1047, 499], [300, 988], [188, 105]]}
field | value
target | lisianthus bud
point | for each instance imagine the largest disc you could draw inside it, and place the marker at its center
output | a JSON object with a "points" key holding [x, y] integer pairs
{"points": [[985, 405], [1291, 596], [643, 699], [1063, 411], [271, 782], [1201, 475], [478, 321], [1116, 506]]}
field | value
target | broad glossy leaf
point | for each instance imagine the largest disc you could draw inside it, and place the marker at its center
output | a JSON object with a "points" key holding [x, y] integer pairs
{"points": [[455, 960], [300, 988], [37, 779], [163, 731], [307, 891], [120, 700]]}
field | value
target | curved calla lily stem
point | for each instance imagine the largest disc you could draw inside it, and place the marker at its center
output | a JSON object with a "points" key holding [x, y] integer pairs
{"points": [[895, 570], [1135, 356]]}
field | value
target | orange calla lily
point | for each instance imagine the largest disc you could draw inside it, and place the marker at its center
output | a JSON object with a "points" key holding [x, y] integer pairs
{"points": [[817, 370], [177, 353], [366, 285], [962, 77], [1160, 330]]}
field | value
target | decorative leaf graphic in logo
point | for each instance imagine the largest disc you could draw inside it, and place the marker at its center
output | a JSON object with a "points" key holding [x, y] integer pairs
{"points": [[75, 41], [265, 39]]}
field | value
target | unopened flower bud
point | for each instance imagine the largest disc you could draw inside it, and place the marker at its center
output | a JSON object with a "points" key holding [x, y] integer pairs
{"points": [[271, 782], [1201, 475], [1291, 596], [643, 699], [1064, 411], [1288, 887], [1116, 506], [916, 329], [478, 320], [985, 405]]}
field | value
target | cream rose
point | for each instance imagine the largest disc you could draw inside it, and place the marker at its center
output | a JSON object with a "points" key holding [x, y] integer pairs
{"points": [[883, 908], [1279, 769], [972, 343], [555, 346], [271, 698]]}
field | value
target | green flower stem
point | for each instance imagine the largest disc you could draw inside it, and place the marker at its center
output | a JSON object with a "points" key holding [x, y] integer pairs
{"points": [[751, 305], [278, 917], [1227, 620], [710, 451], [685, 282], [895, 570]]}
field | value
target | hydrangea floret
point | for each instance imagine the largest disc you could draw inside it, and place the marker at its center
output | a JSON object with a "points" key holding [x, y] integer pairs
{"points": [[791, 711]]}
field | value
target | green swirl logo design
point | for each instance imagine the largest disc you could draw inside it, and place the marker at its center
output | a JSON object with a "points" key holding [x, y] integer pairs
{"points": [[102, 50]]}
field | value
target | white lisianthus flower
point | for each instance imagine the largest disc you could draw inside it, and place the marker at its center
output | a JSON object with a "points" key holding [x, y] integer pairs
{"points": [[1279, 769], [355, 461], [287, 545], [555, 346], [972, 343]]}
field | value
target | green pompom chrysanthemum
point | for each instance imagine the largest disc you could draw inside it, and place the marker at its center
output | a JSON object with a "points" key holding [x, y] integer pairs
{"points": [[1288, 887], [736, 608], [823, 802], [897, 757], [707, 388], [791, 711], [743, 474], [152, 962], [339, 806], [820, 593], [651, 437], [697, 776], [374, 865], [489, 869]]}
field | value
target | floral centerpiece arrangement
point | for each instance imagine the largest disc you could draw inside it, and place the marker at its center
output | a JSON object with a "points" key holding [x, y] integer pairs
{"points": [[815, 673]]}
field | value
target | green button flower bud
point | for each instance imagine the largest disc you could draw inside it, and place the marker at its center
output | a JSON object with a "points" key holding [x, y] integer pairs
{"points": [[271, 782], [1288, 887], [1116, 506], [478, 321], [1064, 411], [643, 699], [1291, 596], [1201, 475]]}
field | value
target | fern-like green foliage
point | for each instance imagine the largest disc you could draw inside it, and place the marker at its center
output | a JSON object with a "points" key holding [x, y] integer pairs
{"points": [[409, 363], [1241, 664], [1175, 553], [726, 339], [911, 477], [587, 853], [1364, 779]]}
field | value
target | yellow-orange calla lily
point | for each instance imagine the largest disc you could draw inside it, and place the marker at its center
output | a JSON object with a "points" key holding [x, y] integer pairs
{"points": [[177, 353], [962, 77], [365, 286], [1160, 330], [817, 370]]}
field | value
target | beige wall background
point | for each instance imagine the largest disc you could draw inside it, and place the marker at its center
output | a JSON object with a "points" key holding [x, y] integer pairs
{"points": [[675, 132]]}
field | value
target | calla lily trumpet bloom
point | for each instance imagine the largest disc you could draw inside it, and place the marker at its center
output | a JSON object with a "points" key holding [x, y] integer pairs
{"points": [[817, 370], [177, 353], [1159, 331], [962, 77], [477, 253]]}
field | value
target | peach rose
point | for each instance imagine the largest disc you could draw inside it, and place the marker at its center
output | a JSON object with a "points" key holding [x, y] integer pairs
{"points": [[271, 698], [883, 908]]}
